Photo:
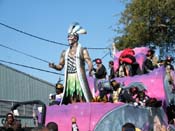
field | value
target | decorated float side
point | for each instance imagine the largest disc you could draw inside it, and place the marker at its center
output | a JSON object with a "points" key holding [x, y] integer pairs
{"points": [[107, 116], [111, 116]]}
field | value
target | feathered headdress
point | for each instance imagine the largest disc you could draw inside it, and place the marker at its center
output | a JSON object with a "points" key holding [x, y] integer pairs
{"points": [[76, 29]]}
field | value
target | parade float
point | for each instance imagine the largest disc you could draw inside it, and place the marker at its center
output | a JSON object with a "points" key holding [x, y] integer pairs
{"points": [[107, 116]]}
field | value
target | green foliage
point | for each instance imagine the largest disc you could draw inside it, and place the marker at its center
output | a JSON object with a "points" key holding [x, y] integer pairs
{"points": [[146, 22]]}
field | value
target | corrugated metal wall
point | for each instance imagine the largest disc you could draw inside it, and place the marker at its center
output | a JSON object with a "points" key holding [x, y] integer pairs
{"points": [[18, 86]]}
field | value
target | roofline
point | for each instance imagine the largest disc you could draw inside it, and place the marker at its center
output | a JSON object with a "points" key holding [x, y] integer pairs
{"points": [[26, 74]]}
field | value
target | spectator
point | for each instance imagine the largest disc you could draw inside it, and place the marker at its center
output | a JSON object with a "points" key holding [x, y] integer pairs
{"points": [[52, 126], [134, 91], [128, 127], [56, 98], [112, 72], [148, 63], [169, 80], [169, 68], [76, 88], [59, 92], [126, 96], [74, 124], [10, 122], [153, 102], [141, 98], [100, 71], [168, 61], [115, 97], [100, 76], [126, 61]]}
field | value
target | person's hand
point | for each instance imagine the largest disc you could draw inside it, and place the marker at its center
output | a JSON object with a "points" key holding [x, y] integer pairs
{"points": [[52, 65], [91, 73]]}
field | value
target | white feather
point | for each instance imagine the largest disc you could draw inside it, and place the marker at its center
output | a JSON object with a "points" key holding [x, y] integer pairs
{"points": [[72, 26], [70, 29], [81, 31], [76, 28]]}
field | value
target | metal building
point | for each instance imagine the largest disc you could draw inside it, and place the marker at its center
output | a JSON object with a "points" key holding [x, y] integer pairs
{"points": [[17, 86]]}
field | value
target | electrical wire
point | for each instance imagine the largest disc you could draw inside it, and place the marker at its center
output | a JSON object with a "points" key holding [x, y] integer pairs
{"points": [[34, 36], [15, 50], [105, 55], [98, 48], [44, 39], [37, 57], [23, 53], [12, 63]]}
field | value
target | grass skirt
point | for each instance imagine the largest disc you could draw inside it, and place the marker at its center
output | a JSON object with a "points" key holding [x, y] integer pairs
{"points": [[73, 86]]}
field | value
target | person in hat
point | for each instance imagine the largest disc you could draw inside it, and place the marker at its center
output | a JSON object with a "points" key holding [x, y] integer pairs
{"points": [[100, 76], [100, 71], [76, 88], [126, 61], [55, 99]]}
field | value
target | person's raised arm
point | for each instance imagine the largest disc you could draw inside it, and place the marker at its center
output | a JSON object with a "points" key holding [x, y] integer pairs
{"points": [[61, 63]]}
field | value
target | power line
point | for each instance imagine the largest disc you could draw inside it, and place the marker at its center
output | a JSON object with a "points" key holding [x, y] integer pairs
{"points": [[34, 36], [105, 55], [35, 56], [23, 53], [98, 48], [44, 39], [31, 67]]}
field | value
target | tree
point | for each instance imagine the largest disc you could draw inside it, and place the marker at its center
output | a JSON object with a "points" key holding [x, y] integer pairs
{"points": [[146, 22]]}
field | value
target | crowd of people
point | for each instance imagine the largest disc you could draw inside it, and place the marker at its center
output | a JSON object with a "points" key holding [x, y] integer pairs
{"points": [[128, 66], [12, 124]]}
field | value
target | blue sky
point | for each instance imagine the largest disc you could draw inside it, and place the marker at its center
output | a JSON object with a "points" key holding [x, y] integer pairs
{"points": [[50, 19]]}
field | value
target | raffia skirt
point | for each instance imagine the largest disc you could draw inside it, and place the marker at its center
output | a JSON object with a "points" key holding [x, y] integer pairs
{"points": [[73, 86]]}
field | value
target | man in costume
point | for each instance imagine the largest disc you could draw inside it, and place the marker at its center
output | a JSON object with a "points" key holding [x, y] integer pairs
{"points": [[76, 88]]}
